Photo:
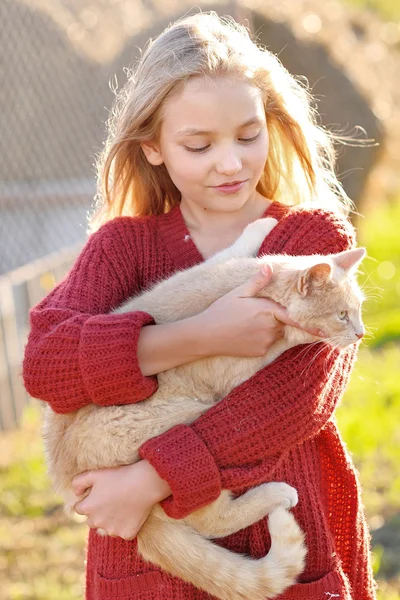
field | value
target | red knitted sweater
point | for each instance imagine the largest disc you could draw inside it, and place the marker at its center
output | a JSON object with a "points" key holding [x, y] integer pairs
{"points": [[276, 426]]}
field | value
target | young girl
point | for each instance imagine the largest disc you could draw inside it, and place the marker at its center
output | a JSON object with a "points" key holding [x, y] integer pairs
{"points": [[209, 134]]}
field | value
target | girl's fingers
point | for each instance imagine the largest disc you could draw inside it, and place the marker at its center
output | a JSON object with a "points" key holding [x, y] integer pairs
{"points": [[80, 509], [280, 314], [82, 482], [255, 284]]}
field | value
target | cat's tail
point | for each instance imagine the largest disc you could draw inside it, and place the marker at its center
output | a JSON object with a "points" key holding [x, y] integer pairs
{"points": [[182, 552]]}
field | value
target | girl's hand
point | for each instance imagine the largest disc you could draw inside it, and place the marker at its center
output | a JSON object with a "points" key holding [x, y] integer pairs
{"points": [[120, 499], [241, 325]]}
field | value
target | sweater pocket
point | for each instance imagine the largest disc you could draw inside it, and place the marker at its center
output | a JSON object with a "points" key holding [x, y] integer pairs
{"points": [[330, 587], [153, 585]]}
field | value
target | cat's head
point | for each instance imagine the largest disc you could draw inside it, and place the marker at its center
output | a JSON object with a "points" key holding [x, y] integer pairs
{"points": [[325, 295]]}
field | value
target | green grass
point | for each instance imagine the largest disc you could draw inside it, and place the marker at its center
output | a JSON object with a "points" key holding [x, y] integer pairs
{"points": [[42, 552], [369, 415], [379, 232], [388, 10], [369, 420]]}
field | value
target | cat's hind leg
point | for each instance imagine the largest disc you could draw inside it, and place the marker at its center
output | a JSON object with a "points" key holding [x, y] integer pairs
{"points": [[228, 514], [179, 550]]}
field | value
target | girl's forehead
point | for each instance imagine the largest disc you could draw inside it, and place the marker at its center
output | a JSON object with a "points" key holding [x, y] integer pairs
{"points": [[207, 103]]}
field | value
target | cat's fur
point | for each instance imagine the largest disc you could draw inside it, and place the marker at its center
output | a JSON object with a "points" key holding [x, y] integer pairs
{"points": [[314, 289]]}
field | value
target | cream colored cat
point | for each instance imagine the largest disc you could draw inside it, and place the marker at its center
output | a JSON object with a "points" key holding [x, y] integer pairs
{"points": [[318, 291]]}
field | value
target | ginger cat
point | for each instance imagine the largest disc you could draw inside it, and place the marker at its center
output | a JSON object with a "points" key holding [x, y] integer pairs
{"points": [[318, 291]]}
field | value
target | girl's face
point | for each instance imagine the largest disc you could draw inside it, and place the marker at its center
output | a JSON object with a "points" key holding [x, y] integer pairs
{"points": [[213, 142]]}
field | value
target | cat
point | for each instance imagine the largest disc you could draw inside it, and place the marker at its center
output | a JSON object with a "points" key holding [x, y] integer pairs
{"points": [[318, 291]]}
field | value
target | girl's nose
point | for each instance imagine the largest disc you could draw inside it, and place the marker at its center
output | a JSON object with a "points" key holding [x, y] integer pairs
{"points": [[229, 164]]}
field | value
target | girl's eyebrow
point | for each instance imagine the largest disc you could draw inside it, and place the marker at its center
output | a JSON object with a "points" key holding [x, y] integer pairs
{"points": [[191, 131]]}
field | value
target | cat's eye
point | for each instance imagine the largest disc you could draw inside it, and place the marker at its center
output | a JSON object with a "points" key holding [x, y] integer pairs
{"points": [[343, 315]]}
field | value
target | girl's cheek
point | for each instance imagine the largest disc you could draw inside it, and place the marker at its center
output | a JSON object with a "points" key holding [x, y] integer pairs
{"points": [[259, 154]]}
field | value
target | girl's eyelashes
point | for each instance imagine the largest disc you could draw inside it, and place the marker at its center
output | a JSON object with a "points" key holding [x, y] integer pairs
{"points": [[241, 140], [196, 149], [249, 140]]}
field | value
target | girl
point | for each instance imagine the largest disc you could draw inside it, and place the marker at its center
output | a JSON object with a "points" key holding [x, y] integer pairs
{"points": [[209, 134]]}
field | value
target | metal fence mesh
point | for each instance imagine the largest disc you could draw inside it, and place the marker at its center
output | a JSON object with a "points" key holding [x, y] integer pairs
{"points": [[54, 100], [50, 131], [59, 60]]}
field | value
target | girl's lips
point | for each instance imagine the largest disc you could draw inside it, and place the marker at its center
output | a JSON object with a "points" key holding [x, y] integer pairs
{"points": [[231, 188]]}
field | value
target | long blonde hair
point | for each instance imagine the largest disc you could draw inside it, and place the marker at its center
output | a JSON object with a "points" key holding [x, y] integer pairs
{"points": [[300, 164]]}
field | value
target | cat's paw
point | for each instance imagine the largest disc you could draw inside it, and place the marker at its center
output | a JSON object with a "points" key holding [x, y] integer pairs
{"points": [[281, 494], [287, 538]]}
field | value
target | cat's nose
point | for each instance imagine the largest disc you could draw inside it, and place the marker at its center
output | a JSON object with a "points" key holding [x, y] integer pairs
{"points": [[360, 335]]}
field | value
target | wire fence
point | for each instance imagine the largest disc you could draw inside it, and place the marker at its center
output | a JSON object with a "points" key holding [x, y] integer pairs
{"points": [[19, 290], [51, 130], [59, 63]]}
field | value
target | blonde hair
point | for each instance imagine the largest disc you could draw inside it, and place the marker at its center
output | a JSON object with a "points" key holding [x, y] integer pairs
{"points": [[300, 164]]}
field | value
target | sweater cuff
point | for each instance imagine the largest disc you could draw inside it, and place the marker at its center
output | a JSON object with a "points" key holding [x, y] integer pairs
{"points": [[182, 459], [108, 359]]}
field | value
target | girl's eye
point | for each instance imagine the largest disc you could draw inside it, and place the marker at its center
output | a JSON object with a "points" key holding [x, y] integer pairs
{"points": [[243, 140], [249, 140], [343, 315], [197, 149]]}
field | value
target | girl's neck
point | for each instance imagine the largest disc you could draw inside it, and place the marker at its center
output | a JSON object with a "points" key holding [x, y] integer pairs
{"points": [[213, 224], [213, 231]]}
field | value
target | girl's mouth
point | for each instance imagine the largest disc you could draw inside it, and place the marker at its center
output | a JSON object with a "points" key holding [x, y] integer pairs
{"points": [[231, 188]]}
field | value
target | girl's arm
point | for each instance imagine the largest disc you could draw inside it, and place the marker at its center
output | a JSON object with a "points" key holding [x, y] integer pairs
{"points": [[238, 324], [286, 403], [195, 463], [76, 353]]}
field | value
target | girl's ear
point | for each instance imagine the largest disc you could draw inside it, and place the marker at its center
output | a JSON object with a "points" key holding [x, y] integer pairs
{"points": [[152, 152]]}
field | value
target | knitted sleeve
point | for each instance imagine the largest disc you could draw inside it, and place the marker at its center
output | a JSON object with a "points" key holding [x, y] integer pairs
{"points": [[282, 405], [77, 354]]}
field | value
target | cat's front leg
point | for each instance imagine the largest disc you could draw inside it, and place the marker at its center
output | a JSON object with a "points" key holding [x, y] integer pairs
{"points": [[228, 514], [248, 244]]}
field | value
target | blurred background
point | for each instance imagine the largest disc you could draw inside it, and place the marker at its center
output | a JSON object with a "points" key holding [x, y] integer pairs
{"points": [[60, 62]]}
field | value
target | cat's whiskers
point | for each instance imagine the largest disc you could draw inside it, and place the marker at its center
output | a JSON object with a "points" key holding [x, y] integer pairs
{"points": [[369, 335], [307, 348], [374, 296], [314, 358], [334, 339], [322, 349], [365, 287], [368, 277]]}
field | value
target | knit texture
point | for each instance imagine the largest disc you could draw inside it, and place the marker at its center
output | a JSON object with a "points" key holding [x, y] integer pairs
{"points": [[277, 426]]}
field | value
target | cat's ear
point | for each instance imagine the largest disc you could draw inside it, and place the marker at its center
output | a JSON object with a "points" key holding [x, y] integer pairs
{"points": [[316, 275], [349, 259]]}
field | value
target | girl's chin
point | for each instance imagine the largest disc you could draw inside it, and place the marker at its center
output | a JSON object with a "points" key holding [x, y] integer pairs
{"points": [[225, 206], [231, 202]]}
